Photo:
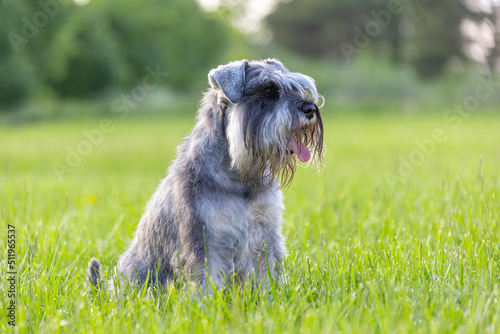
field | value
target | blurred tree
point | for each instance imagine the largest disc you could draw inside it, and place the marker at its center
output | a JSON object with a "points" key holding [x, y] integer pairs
{"points": [[175, 34], [342, 29], [336, 29], [493, 22], [82, 50], [16, 72], [437, 37]]}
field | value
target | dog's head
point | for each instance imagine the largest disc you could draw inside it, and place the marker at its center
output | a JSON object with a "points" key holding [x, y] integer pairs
{"points": [[273, 118]]}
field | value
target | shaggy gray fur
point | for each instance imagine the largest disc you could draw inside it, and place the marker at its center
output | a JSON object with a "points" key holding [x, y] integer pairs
{"points": [[221, 200]]}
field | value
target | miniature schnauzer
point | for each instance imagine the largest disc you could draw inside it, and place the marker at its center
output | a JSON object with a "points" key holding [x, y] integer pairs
{"points": [[218, 212]]}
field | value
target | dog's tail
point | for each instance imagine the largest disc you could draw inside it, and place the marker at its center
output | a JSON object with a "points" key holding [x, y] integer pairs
{"points": [[94, 275]]}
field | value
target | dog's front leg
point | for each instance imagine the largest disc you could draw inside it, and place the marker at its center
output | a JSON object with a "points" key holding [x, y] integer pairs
{"points": [[271, 257], [207, 275], [221, 254], [208, 267], [194, 266]]}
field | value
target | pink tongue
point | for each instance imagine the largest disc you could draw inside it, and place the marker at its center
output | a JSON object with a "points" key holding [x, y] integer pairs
{"points": [[300, 149]]}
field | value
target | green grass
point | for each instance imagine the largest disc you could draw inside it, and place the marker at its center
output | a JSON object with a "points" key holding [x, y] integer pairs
{"points": [[420, 256]]}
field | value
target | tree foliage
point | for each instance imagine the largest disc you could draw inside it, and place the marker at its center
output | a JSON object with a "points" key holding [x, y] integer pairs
{"points": [[318, 28], [437, 36], [425, 33], [77, 51]]}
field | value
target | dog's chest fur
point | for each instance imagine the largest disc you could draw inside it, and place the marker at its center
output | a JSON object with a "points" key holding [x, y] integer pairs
{"points": [[244, 229]]}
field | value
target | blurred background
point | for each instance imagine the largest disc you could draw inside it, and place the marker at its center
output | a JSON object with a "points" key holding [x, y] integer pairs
{"points": [[81, 58], [95, 96]]}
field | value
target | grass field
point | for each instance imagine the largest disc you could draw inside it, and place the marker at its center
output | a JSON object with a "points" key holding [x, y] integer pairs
{"points": [[418, 254]]}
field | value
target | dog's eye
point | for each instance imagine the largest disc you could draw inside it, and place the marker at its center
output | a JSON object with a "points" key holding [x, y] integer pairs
{"points": [[271, 91]]}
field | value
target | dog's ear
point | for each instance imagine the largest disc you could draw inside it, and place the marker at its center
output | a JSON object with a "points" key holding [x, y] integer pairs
{"points": [[230, 79]]}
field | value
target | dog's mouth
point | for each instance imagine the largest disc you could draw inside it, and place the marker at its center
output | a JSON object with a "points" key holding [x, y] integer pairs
{"points": [[297, 147]]}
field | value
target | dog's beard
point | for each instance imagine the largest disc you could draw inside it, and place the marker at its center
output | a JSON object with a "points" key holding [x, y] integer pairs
{"points": [[269, 147]]}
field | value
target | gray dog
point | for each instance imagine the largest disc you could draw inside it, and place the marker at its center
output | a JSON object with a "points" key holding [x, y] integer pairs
{"points": [[221, 203]]}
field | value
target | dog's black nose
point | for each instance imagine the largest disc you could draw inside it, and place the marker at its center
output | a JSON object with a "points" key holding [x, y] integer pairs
{"points": [[308, 109]]}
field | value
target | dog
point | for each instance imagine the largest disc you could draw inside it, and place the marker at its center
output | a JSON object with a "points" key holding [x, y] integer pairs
{"points": [[218, 212]]}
